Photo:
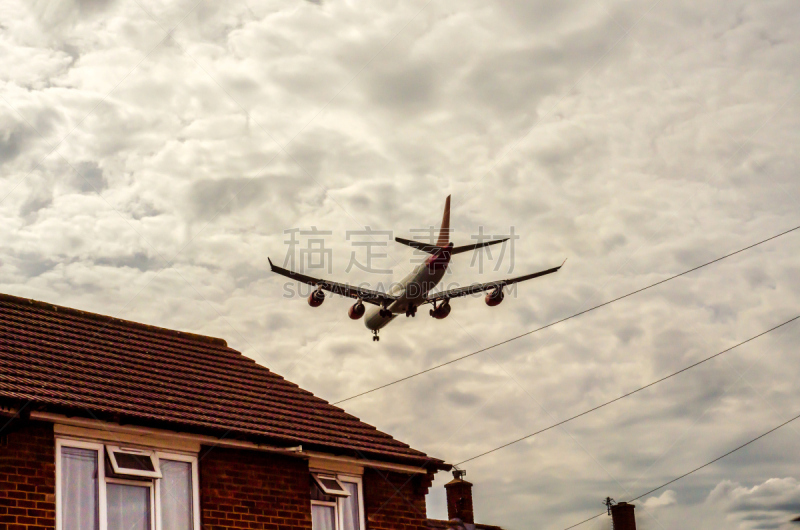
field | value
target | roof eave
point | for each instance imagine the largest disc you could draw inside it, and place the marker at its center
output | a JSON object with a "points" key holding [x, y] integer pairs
{"points": [[423, 462]]}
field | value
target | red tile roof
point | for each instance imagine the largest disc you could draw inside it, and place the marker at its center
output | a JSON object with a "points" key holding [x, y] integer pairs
{"points": [[69, 360]]}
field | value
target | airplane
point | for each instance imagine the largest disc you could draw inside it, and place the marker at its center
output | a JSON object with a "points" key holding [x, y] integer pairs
{"points": [[414, 290]]}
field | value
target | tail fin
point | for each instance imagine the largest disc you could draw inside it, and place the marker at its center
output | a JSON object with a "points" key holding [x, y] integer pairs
{"points": [[444, 231], [444, 235]]}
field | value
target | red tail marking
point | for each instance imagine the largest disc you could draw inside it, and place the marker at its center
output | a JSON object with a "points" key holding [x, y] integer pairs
{"points": [[444, 231]]}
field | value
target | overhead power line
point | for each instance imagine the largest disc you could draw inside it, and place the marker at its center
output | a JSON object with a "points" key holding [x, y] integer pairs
{"points": [[676, 479], [698, 363], [482, 350]]}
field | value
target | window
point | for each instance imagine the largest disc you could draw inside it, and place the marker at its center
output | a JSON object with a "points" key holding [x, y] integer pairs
{"points": [[78, 486], [133, 462], [176, 494], [106, 487], [330, 485], [129, 504], [336, 502]]}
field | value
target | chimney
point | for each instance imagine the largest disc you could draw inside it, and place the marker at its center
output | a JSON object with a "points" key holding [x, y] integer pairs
{"points": [[459, 498], [622, 516]]}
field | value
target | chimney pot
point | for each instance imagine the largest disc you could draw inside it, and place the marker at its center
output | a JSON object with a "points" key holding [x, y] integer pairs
{"points": [[459, 498], [623, 517]]}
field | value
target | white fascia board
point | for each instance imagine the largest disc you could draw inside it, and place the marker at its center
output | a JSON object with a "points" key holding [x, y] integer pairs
{"points": [[190, 443], [323, 458]]}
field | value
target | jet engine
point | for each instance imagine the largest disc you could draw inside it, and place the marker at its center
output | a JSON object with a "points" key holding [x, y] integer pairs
{"points": [[356, 311], [495, 297], [441, 312], [316, 298]]}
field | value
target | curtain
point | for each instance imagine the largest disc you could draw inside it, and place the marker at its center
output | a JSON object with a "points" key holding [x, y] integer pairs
{"points": [[176, 495], [79, 489], [128, 507], [350, 506], [323, 517]]}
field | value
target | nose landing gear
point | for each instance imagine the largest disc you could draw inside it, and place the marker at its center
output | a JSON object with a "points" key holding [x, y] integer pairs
{"points": [[411, 311], [375, 336]]}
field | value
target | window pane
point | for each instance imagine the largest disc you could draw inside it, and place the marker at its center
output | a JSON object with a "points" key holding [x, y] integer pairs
{"points": [[128, 507], [176, 495], [318, 495], [79, 489], [322, 517], [131, 461], [329, 483], [350, 507]]}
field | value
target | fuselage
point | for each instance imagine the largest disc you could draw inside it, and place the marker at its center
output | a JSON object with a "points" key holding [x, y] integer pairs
{"points": [[411, 290]]}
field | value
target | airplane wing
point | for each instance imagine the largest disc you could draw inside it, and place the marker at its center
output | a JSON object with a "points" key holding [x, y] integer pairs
{"points": [[367, 295], [481, 287]]}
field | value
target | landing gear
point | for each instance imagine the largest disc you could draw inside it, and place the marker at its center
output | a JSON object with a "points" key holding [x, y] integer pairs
{"points": [[375, 336], [411, 311], [385, 313], [440, 311]]}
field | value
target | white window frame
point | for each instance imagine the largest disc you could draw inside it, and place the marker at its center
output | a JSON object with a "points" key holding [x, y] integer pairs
{"points": [[139, 484], [112, 449], [337, 505], [356, 480], [101, 479], [154, 483], [177, 457], [318, 478]]}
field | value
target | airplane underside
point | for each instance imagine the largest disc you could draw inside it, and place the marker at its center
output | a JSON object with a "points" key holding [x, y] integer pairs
{"points": [[422, 279], [380, 308]]}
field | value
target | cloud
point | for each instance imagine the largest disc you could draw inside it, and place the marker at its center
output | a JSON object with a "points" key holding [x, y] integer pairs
{"points": [[139, 260], [210, 198], [88, 177], [665, 499], [52, 13], [12, 142], [768, 505], [639, 139], [21, 134], [41, 197]]}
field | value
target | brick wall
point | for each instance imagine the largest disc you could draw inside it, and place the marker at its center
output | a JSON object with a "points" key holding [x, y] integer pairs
{"points": [[27, 476], [238, 489], [395, 501], [253, 490]]}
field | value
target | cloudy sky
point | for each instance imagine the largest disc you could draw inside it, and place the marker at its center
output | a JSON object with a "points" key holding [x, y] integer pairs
{"points": [[154, 154]]}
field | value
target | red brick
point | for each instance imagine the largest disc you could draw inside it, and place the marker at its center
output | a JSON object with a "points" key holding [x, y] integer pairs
{"points": [[243, 489], [28, 453]]}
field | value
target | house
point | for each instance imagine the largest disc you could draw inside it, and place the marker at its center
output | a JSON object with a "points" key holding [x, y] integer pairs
{"points": [[108, 424]]}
